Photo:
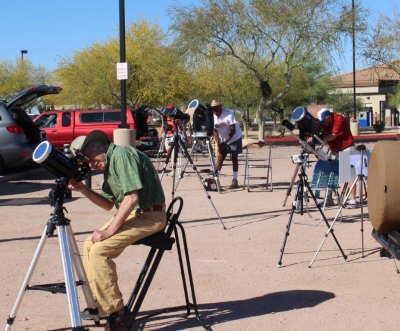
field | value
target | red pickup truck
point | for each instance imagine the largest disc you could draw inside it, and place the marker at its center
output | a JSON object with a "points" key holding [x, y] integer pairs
{"points": [[63, 126]]}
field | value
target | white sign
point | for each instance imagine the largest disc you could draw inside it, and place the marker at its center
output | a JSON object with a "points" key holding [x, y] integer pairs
{"points": [[122, 71], [351, 165]]}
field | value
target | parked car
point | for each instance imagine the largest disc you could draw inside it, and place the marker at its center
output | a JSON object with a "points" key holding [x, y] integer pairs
{"points": [[63, 126], [18, 134]]}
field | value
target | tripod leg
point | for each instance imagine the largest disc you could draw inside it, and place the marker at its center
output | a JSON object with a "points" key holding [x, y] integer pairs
{"points": [[25, 283], [362, 182], [296, 170], [214, 167], [330, 226], [167, 161], [175, 150], [299, 187], [70, 285], [80, 271], [160, 150], [183, 170], [245, 168], [201, 182]]}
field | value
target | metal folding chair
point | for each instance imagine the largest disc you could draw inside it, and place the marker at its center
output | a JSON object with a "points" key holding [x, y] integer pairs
{"points": [[326, 177], [159, 243], [252, 163]]}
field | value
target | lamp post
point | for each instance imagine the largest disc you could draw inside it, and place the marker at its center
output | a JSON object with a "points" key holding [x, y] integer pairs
{"points": [[122, 59], [123, 135], [354, 59], [23, 51], [355, 130]]}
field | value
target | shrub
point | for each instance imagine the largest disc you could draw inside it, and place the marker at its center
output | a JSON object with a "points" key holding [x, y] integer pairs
{"points": [[379, 126]]}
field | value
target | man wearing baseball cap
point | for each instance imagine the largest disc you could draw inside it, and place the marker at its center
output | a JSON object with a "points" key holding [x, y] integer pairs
{"points": [[336, 132], [335, 129], [132, 185]]}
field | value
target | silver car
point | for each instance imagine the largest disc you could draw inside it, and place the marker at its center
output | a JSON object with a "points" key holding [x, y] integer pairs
{"points": [[18, 134]]}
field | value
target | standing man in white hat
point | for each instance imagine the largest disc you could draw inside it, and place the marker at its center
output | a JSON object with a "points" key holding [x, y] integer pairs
{"points": [[228, 136]]}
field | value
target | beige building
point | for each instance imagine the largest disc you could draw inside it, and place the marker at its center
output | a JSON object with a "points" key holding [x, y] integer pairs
{"points": [[373, 86]]}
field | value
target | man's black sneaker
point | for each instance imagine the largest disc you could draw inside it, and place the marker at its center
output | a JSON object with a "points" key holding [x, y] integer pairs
{"points": [[90, 313], [119, 321], [234, 183]]}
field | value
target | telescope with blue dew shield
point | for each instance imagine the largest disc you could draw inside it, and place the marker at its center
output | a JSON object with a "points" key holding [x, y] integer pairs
{"points": [[175, 113], [59, 164], [309, 126], [65, 168]]}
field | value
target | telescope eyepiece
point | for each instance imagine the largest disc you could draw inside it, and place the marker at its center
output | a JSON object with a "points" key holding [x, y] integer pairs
{"points": [[287, 124]]}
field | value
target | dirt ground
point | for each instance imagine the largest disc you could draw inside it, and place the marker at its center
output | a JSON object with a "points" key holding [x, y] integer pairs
{"points": [[238, 284]]}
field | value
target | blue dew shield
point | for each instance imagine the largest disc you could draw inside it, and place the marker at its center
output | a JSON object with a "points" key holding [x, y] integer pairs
{"points": [[305, 121], [54, 161]]}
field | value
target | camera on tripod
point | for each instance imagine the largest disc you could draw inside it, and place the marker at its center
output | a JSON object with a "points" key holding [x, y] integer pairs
{"points": [[299, 158], [59, 164], [309, 126]]}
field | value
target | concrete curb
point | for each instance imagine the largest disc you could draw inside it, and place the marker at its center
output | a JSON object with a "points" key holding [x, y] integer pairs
{"points": [[288, 141]]}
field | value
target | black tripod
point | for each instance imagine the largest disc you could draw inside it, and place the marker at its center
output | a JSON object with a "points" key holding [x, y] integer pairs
{"points": [[302, 183], [166, 127], [176, 144], [289, 189], [201, 140], [303, 155], [70, 260]]}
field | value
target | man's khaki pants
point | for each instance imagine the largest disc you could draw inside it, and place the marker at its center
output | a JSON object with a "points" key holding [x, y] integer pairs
{"points": [[98, 257]]}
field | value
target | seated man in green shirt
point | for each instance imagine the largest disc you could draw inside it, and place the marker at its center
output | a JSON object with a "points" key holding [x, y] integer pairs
{"points": [[132, 185]]}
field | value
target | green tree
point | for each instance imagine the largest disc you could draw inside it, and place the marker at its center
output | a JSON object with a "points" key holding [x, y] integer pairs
{"points": [[261, 35], [344, 104], [382, 46], [310, 84], [157, 76], [394, 100], [225, 80], [20, 75]]}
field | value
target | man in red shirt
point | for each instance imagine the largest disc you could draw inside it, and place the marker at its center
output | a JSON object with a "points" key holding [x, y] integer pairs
{"points": [[336, 132], [335, 129]]}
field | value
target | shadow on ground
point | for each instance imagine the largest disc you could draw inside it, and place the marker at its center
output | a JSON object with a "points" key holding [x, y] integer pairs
{"points": [[221, 312]]}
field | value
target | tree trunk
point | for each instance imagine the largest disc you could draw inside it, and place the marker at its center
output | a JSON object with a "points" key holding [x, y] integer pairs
{"points": [[261, 124], [244, 118]]}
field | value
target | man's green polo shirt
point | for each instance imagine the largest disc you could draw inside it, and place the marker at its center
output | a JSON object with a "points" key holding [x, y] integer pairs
{"points": [[127, 170]]}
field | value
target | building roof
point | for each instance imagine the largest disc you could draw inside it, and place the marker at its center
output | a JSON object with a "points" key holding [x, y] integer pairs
{"points": [[372, 76]]}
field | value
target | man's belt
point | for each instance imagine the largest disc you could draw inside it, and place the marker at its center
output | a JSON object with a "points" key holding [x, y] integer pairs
{"points": [[153, 208]]}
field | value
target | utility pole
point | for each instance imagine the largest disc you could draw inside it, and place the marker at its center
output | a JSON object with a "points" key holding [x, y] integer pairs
{"points": [[122, 60], [355, 130], [123, 135]]}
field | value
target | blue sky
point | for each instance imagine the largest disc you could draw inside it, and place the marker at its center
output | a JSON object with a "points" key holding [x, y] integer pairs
{"points": [[51, 30]]}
